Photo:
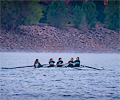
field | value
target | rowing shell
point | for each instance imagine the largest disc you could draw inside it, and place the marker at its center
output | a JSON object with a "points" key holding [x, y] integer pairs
{"points": [[82, 67], [64, 67]]}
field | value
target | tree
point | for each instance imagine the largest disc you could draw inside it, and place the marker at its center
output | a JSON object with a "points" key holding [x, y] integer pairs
{"points": [[8, 13], [77, 16], [35, 13], [100, 8], [57, 15], [90, 12], [14, 13], [112, 12]]}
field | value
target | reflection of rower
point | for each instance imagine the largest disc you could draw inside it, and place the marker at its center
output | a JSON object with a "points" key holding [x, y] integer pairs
{"points": [[37, 64], [77, 62], [60, 62], [51, 62]]}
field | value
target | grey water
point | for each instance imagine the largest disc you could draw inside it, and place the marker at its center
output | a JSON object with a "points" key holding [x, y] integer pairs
{"points": [[58, 83]]}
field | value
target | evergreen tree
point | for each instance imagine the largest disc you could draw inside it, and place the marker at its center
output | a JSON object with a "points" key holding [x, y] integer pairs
{"points": [[100, 8], [112, 12], [8, 13], [57, 14], [77, 16], [14, 13], [90, 12], [34, 13], [44, 19], [76, 2]]}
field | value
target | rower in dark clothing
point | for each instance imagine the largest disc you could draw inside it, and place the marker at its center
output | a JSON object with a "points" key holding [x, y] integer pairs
{"points": [[77, 62], [71, 62], [51, 62], [37, 64], [60, 62]]}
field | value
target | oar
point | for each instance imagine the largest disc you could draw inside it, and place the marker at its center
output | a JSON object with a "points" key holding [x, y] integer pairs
{"points": [[20, 67], [101, 68], [17, 67]]}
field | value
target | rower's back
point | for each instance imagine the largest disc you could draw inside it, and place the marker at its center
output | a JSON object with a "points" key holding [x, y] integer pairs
{"points": [[37, 64], [70, 63], [60, 62], [51, 62], [77, 62]]}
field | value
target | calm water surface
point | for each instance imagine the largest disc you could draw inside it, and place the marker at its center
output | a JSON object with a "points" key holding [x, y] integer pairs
{"points": [[59, 84]]}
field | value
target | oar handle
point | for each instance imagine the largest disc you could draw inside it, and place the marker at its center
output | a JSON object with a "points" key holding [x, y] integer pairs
{"points": [[62, 64], [45, 64]]}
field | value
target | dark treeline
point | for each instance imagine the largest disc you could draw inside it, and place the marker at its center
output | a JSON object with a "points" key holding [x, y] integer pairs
{"points": [[58, 13]]}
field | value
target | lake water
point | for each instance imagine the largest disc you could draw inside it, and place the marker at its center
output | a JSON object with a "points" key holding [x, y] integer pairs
{"points": [[59, 84]]}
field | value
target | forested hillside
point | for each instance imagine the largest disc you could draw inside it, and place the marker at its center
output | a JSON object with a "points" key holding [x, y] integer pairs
{"points": [[61, 13]]}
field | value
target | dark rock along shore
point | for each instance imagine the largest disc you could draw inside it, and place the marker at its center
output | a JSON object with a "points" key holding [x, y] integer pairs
{"points": [[51, 39]]}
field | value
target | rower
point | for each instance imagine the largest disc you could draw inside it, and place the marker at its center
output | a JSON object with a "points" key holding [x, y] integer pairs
{"points": [[60, 62], [70, 63], [51, 62], [37, 64], [77, 62]]}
